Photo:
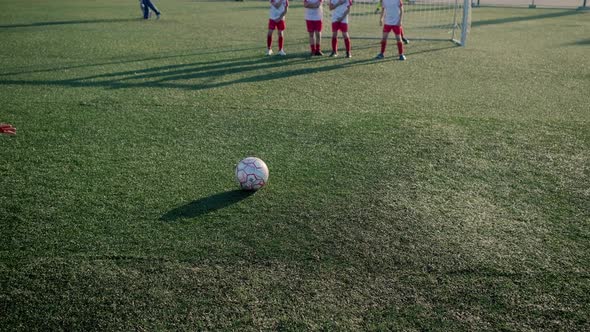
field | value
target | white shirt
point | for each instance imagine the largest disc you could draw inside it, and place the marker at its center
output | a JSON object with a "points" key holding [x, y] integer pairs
{"points": [[392, 10], [340, 10], [314, 14], [275, 12]]}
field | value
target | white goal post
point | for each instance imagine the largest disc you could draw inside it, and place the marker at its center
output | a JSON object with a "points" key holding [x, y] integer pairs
{"points": [[423, 19]]}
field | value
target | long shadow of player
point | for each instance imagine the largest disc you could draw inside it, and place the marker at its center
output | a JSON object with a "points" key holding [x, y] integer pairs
{"points": [[206, 205], [160, 56], [581, 42], [209, 74], [41, 24]]}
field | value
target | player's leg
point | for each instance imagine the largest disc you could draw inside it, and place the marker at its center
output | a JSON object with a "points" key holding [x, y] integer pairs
{"points": [[347, 43], [334, 39], [281, 33], [146, 10], [318, 38], [404, 39], [310, 31], [271, 28], [312, 43], [386, 30], [141, 7], [269, 41], [150, 5], [398, 39]]}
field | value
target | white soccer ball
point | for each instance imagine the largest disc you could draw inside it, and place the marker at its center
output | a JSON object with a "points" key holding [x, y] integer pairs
{"points": [[251, 173]]}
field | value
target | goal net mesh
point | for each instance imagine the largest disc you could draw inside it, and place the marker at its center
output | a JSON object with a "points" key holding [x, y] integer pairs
{"points": [[423, 19]]}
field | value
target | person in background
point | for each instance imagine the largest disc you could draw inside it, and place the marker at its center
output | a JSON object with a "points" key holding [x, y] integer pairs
{"points": [[378, 8], [146, 5]]}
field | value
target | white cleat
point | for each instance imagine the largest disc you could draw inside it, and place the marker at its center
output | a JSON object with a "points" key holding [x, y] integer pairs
{"points": [[269, 52], [282, 53]]}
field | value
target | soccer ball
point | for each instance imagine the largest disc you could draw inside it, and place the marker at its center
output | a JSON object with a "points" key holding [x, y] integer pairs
{"points": [[251, 173]]}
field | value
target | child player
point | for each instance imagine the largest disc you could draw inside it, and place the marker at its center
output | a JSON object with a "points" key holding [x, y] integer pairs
{"points": [[313, 19], [391, 18], [340, 10], [278, 10], [378, 10]]}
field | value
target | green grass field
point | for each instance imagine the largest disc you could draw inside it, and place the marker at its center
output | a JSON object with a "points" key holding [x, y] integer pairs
{"points": [[448, 192]]}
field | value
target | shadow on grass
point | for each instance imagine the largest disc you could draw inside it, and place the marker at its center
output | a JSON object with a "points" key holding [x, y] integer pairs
{"points": [[475, 24], [584, 42], [163, 56], [42, 24], [430, 50], [210, 74], [206, 205]]}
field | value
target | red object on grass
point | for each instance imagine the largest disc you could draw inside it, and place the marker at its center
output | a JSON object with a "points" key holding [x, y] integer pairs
{"points": [[7, 129]]}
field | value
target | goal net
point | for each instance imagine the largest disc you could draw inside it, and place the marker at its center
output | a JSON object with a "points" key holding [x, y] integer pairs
{"points": [[423, 19]]}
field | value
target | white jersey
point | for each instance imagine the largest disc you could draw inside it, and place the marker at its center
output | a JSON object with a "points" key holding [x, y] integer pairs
{"points": [[275, 12], [392, 10], [339, 11], [314, 14]]}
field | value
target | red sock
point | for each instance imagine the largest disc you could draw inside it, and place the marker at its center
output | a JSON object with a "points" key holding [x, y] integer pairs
{"points": [[347, 44], [281, 42], [268, 41], [401, 31], [312, 47], [317, 47], [334, 44], [383, 45], [400, 47]]}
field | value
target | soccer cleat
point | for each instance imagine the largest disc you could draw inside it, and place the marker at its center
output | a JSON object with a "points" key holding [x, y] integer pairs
{"points": [[269, 52], [379, 56], [333, 54], [282, 53], [405, 40], [158, 16], [402, 57], [348, 55], [319, 53]]}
